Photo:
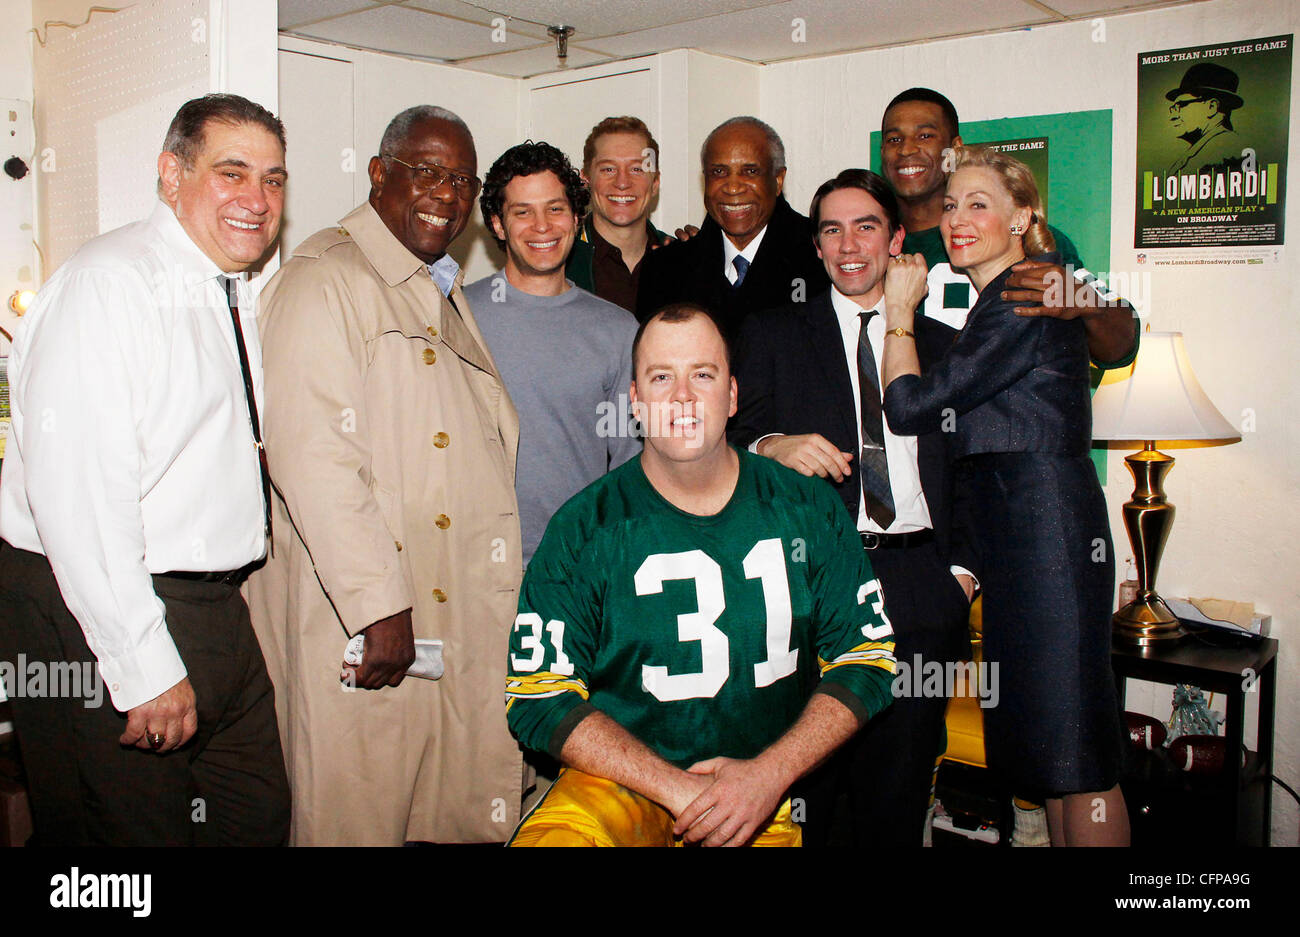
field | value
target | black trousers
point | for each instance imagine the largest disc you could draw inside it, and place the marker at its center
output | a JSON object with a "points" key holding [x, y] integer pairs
{"points": [[875, 789], [226, 786]]}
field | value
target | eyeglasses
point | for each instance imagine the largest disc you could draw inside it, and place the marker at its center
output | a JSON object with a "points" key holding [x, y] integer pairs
{"points": [[1179, 105], [430, 177]]}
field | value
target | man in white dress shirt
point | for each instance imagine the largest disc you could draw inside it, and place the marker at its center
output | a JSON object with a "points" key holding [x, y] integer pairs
{"points": [[132, 505]]}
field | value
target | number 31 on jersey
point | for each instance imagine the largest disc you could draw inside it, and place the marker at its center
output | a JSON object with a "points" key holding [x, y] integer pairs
{"points": [[764, 562]]}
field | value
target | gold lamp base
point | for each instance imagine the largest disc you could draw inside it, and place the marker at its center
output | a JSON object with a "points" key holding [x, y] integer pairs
{"points": [[1147, 620]]}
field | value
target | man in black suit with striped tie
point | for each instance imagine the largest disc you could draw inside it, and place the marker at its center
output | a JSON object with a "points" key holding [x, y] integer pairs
{"points": [[810, 398]]}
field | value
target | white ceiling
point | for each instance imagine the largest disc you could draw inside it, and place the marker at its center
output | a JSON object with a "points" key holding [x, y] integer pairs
{"points": [[461, 32]]}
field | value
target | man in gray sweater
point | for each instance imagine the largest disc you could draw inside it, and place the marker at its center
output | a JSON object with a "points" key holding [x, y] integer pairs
{"points": [[565, 355]]}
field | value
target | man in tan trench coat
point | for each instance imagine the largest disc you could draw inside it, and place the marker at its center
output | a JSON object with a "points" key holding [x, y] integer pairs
{"points": [[391, 441]]}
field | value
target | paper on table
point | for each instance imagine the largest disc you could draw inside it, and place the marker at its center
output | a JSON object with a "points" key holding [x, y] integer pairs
{"points": [[1239, 613], [1187, 611], [428, 656]]}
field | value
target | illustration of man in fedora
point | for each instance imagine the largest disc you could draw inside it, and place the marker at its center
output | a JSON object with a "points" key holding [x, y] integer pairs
{"points": [[1201, 115]]}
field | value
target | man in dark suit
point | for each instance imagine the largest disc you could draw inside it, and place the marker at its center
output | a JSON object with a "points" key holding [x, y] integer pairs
{"points": [[753, 251], [809, 377]]}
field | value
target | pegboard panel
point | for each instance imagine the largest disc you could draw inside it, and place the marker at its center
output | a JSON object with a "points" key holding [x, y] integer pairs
{"points": [[17, 267], [106, 93]]}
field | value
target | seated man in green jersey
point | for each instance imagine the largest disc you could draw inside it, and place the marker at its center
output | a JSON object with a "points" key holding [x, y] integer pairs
{"points": [[698, 628]]}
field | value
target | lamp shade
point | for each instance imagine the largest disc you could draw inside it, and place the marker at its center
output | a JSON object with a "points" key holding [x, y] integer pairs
{"points": [[1160, 399]]}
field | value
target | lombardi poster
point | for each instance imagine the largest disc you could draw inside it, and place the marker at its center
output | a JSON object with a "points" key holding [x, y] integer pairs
{"points": [[1212, 152]]}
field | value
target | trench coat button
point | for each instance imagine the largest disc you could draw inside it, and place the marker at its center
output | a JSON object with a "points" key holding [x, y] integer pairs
{"points": [[399, 545], [442, 521], [430, 356], [441, 440], [439, 595], [432, 331]]}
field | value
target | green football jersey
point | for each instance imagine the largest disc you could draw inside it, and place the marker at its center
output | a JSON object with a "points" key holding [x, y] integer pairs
{"points": [[702, 636]]}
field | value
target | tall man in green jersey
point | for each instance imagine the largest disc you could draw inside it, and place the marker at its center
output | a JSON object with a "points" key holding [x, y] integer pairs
{"points": [[918, 130], [698, 628]]}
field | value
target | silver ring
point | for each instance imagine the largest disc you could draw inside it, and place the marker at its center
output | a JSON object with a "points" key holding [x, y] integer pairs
{"points": [[155, 740]]}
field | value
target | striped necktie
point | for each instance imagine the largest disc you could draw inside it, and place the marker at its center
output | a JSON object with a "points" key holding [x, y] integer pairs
{"points": [[873, 466]]}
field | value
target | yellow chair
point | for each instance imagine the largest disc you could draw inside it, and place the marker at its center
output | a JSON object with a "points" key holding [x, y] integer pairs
{"points": [[964, 719]]}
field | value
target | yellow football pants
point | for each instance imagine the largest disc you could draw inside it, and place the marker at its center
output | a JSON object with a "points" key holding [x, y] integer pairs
{"points": [[584, 810]]}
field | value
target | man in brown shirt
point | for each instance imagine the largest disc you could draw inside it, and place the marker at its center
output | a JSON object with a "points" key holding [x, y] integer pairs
{"points": [[620, 164]]}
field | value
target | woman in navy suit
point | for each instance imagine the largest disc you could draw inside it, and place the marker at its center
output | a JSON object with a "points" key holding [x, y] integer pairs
{"points": [[1014, 392]]}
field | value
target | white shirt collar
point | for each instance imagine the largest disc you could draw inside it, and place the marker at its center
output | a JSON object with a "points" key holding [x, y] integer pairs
{"points": [[730, 253], [846, 308], [444, 270], [197, 265]]}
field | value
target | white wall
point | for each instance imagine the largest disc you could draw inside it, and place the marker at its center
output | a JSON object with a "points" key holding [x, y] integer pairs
{"points": [[15, 54], [382, 86], [244, 61], [321, 155], [18, 257], [1233, 534]]}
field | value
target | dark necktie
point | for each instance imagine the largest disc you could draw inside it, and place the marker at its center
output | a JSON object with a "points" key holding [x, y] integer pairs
{"points": [[232, 296], [873, 467], [742, 267]]}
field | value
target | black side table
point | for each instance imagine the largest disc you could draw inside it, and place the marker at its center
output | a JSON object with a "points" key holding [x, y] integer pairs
{"points": [[1238, 809]]}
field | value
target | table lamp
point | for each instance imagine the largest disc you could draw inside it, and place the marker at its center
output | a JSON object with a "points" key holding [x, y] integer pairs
{"points": [[1160, 399]]}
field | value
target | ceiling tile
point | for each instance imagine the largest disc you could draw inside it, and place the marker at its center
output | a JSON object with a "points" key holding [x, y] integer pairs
{"points": [[483, 13], [412, 32], [536, 61], [297, 12], [598, 19], [772, 33], [750, 30], [1082, 8]]}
